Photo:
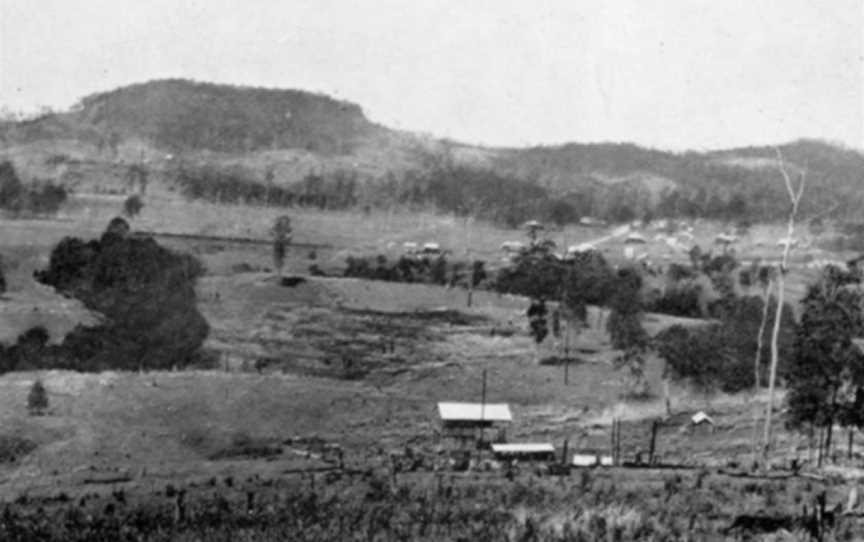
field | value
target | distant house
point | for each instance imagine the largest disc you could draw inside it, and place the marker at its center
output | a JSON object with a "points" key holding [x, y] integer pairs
{"points": [[581, 248], [410, 248], [513, 246], [635, 238], [791, 243], [431, 249], [725, 239]]}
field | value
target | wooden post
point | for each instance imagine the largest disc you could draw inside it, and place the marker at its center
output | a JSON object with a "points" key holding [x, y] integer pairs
{"points": [[566, 353], [564, 452], [483, 408], [651, 446], [851, 436], [821, 443], [618, 443], [483, 398], [614, 441]]}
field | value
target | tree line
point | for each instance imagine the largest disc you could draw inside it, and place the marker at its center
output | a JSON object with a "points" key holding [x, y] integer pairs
{"points": [[39, 198]]}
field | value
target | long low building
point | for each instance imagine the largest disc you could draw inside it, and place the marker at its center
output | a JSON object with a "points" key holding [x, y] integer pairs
{"points": [[524, 450]]}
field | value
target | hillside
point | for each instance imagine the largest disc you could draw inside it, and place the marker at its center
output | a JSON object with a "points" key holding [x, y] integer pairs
{"points": [[324, 152]]}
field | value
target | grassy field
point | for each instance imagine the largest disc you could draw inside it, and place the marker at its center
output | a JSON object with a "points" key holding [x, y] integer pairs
{"points": [[360, 364]]}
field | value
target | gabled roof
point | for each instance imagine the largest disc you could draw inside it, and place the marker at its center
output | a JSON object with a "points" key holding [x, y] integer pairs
{"points": [[475, 412], [701, 417]]}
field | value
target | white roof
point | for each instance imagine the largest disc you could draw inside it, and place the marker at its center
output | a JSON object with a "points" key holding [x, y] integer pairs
{"points": [[523, 448], [590, 460], [512, 244], [533, 224], [409, 244], [635, 238], [495, 412], [581, 247], [584, 460], [725, 238], [701, 417], [431, 246]]}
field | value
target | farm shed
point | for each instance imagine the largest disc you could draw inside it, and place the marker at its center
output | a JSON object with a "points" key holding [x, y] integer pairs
{"points": [[525, 451], [466, 423]]}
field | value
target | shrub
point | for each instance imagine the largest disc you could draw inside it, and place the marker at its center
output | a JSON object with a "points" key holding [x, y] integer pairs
{"points": [[37, 399], [132, 206], [13, 447]]}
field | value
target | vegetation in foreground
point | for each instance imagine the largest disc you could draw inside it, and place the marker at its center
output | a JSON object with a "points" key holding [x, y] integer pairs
{"points": [[374, 505]]}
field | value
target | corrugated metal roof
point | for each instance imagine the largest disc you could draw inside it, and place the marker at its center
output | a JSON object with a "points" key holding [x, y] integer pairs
{"points": [[492, 412], [523, 448]]}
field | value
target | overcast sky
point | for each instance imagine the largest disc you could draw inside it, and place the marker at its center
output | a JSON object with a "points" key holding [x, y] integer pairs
{"points": [[669, 74]]}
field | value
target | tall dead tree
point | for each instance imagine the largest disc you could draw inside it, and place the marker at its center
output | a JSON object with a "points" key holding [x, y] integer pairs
{"points": [[764, 277], [795, 200]]}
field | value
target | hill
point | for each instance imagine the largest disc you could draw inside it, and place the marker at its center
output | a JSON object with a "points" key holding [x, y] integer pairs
{"points": [[320, 151]]}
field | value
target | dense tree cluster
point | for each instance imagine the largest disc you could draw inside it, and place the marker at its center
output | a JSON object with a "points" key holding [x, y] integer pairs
{"points": [[826, 374], [145, 293], [40, 198]]}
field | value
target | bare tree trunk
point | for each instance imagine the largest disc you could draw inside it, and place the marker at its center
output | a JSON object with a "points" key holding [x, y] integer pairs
{"points": [[795, 198], [757, 363]]}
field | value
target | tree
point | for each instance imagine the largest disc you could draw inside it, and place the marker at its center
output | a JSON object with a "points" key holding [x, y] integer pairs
{"points": [[826, 376], [11, 188], [281, 239], [37, 399], [625, 325], [537, 321], [132, 206], [795, 200]]}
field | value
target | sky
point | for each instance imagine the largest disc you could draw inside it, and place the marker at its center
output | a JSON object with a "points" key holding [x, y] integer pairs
{"points": [[671, 74]]}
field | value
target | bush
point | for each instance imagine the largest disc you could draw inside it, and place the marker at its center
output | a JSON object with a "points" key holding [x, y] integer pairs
{"points": [[37, 399], [132, 206]]}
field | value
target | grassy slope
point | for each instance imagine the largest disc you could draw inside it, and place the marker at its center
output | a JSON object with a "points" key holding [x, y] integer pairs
{"points": [[170, 423]]}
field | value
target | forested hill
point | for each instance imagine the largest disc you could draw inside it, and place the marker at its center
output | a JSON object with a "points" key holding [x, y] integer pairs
{"points": [[313, 149]]}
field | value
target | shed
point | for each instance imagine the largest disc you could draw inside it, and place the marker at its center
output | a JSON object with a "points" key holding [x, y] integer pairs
{"points": [[527, 451], [466, 423]]}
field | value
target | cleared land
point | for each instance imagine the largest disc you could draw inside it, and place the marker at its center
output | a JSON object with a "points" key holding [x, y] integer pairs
{"points": [[351, 362]]}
